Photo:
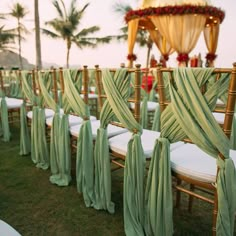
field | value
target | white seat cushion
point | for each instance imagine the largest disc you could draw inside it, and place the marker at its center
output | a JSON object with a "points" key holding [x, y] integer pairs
{"points": [[119, 143], [73, 120], [13, 102], [48, 113], [219, 102], [220, 117], [112, 130], [90, 95], [192, 162], [151, 106], [7, 230]]}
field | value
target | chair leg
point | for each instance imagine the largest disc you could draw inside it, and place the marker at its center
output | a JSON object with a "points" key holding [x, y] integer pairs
{"points": [[178, 194], [215, 212], [190, 201]]}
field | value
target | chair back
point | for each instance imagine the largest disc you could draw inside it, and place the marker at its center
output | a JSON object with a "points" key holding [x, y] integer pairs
{"points": [[225, 76], [135, 97]]}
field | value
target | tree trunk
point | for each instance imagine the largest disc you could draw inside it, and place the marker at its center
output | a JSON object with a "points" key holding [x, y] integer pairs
{"points": [[19, 44], [37, 35], [68, 53]]}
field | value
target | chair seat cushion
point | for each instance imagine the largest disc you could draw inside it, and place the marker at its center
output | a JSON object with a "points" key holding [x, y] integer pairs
{"points": [[90, 96], [48, 113], [192, 162], [73, 120], [112, 130], [7, 230], [220, 117], [119, 143], [219, 102], [13, 102], [151, 106]]}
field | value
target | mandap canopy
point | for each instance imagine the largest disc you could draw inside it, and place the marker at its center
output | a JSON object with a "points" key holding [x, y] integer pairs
{"points": [[175, 25]]}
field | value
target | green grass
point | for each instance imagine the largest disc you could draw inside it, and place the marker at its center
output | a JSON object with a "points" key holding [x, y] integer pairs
{"points": [[33, 206]]}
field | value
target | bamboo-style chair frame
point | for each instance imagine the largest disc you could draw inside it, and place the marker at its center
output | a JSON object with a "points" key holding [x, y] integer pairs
{"points": [[227, 127]]}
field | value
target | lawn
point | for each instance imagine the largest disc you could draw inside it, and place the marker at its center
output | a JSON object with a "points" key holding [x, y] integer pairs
{"points": [[33, 206]]}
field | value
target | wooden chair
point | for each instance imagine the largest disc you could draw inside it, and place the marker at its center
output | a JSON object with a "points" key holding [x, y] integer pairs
{"points": [[190, 163], [13, 103], [10, 106], [128, 150], [113, 129]]}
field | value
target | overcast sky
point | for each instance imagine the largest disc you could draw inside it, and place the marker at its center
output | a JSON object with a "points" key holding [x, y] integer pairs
{"points": [[101, 13]]}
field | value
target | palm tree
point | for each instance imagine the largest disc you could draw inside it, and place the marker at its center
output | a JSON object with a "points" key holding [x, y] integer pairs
{"points": [[143, 39], [19, 12], [66, 25], [37, 35], [6, 39]]}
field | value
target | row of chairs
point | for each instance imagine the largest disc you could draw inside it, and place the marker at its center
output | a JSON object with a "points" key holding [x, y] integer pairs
{"points": [[185, 120]]}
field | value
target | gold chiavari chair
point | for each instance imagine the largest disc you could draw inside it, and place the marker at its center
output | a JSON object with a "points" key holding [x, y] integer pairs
{"points": [[113, 129], [195, 162], [13, 104]]}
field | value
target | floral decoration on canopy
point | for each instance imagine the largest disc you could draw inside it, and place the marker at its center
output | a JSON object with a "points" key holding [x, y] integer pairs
{"points": [[175, 10]]}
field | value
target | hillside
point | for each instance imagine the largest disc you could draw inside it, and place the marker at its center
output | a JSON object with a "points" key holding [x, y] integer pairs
{"points": [[11, 59]]}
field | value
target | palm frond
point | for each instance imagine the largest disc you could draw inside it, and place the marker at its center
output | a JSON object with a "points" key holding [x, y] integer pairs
{"points": [[58, 8], [121, 8], [86, 31], [104, 40], [85, 43], [50, 34]]}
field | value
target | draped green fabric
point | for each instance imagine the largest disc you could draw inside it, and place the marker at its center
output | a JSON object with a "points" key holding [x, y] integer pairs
{"points": [[101, 152], [60, 155], [46, 95], [158, 195], [60, 162], [25, 142], [24, 132], [156, 119], [189, 116], [84, 155], [15, 88], [134, 187], [39, 151], [6, 135], [27, 88], [135, 159], [73, 96], [102, 185], [85, 163], [233, 135]]}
